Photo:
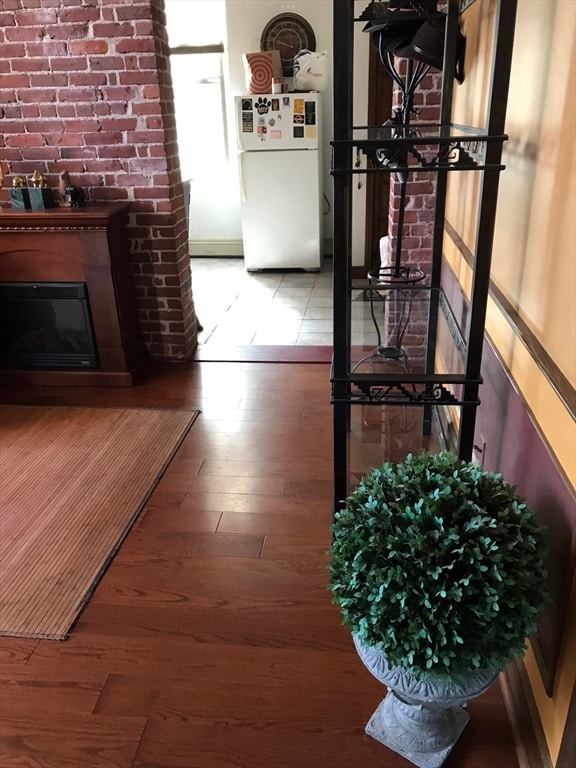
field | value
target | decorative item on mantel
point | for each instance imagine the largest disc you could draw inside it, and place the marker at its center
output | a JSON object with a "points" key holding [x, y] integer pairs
{"points": [[19, 196], [41, 196], [73, 196]]}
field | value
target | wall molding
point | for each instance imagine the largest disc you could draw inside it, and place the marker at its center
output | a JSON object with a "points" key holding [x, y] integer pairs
{"points": [[560, 383], [206, 248], [235, 248]]}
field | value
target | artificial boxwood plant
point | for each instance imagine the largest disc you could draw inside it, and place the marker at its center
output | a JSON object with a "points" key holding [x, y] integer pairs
{"points": [[439, 564]]}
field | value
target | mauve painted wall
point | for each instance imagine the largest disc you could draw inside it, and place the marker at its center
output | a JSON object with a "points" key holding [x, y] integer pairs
{"points": [[515, 447]]}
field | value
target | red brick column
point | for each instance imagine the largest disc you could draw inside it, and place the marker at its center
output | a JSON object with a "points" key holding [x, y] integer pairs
{"points": [[85, 86], [419, 213], [418, 229]]}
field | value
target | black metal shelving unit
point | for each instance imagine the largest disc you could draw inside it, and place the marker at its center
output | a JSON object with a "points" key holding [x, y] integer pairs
{"points": [[443, 149]]}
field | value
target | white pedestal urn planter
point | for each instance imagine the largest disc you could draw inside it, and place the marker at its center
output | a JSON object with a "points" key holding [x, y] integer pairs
{"points": [[420, 719]]}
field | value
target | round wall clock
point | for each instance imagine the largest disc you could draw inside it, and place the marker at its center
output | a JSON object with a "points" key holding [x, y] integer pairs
{"points": [[287, 33]]}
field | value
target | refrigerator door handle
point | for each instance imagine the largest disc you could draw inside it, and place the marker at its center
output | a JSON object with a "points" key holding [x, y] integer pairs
{"points": [[241, 177]]}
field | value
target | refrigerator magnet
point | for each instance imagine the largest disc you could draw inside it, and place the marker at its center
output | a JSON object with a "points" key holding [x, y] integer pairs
{"points": [[298, 132], [247, 122]]}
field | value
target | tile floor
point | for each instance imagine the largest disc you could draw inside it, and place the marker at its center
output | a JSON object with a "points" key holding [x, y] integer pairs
{"points": [[271, 307]]}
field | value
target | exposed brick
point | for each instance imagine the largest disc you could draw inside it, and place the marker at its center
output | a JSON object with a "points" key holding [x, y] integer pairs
{"points": [[118, 108], [119, 124], [81, 126], [122, 29], [25, 140], [135, 45], [30, 65], [69, 31], [101, 108], [87, 79], [45, 126], [71, 153], [30, 111], [37, 95], [65, 140], [121, 94], [13, 50], [47, 48], [145, 108], [23, 34], [76, 95], [130, 62], [151, 92], [20, 80], [116, 150], [69, 64], [111, 194], [133, 12], [105, 62], [147, 78], [13, 126], [147, 62], [48, 80], [38, 17], [87, 47], [7, 19], [143, 28], [82, 14], [143, 137], [65, 110], [105, 137]]}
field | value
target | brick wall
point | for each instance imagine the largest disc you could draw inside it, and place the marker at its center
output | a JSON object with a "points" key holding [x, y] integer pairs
{"points": [[418, 229], [418, 226], [85, 87]]}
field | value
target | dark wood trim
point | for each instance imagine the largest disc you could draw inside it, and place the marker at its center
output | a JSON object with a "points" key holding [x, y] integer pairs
{"points": [[560, 383], [380, 89], [531, 747], [567, 752]]}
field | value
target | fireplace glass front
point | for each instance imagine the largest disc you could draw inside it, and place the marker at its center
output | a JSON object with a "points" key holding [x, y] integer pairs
{"points": [[46, 325]]}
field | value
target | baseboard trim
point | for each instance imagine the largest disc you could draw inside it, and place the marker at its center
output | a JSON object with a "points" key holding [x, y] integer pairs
{"points": [[531, 747], [234, 247], [216, 248]]}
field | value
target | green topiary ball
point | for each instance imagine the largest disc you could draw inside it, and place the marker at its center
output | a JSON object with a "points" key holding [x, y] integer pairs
{"points": [[439, 564]]}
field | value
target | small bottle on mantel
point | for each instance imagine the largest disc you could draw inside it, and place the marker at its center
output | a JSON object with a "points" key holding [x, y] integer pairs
{"points": [[64, 185]]}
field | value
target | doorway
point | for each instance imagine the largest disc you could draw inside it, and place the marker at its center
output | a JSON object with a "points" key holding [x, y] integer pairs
{"points": [[380, 94]]}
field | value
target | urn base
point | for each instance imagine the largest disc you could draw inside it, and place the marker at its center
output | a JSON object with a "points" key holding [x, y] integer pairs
{"points": [[423, 736]]}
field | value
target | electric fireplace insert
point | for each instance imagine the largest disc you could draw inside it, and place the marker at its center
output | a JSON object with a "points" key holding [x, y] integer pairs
{"points": [[46, 325]]}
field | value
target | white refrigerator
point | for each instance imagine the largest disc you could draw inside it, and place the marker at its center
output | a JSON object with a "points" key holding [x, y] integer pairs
{"points": [[280, 180]]}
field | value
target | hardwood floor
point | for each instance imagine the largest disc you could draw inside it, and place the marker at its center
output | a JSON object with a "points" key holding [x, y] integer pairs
{"points": [[211, 641]]}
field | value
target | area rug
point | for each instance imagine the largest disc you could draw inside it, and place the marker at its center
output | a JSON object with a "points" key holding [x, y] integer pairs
{"points": [[72, 482]]}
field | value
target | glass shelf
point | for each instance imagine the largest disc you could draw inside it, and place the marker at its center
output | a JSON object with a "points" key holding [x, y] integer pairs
{"points": [[387, 360]]}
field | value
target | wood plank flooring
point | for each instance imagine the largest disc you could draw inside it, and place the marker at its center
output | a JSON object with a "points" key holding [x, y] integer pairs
{"points": [[211, 641]]}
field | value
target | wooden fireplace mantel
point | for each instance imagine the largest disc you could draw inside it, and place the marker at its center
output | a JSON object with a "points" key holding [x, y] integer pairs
{"points": [[88, 245]]}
